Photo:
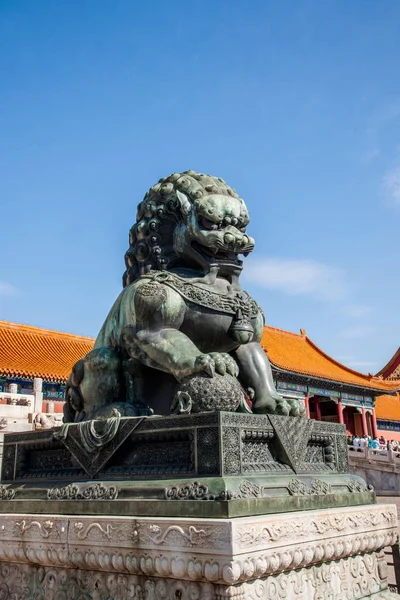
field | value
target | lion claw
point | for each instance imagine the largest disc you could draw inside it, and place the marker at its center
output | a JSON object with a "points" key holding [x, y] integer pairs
{"points": [[206, 364]]}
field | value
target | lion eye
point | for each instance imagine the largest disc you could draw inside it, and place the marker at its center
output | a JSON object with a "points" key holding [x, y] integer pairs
{"points": [[207, 224]]}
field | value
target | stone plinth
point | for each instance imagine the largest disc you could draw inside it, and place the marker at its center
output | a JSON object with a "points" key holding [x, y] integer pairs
{"points": [[225, 505], [333, 553], [207, 465]]}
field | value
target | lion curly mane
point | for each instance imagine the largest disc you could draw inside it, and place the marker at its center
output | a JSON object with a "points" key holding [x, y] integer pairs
{"points": [[159, 213]]}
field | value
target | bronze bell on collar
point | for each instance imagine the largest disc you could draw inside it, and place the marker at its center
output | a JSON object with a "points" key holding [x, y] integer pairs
{"points": [[241, 329]]}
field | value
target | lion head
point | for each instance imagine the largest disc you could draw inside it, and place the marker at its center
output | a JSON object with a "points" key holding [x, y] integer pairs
{"points": [[188, 220]]}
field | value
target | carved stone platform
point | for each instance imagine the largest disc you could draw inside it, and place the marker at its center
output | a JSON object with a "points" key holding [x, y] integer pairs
{"points": [[208, 465], [333, 553], [225, 505]]}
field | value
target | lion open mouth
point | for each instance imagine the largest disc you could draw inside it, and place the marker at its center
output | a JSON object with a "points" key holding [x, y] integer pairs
{"points": [[221, 255]]}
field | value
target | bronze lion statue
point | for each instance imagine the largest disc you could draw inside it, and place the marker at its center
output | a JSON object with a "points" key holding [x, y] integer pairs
{"points": [[182, 336]]}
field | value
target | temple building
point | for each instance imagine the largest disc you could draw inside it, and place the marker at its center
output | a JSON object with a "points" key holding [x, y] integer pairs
{"points": [[28, 353], [330, 390], [388, 407]]}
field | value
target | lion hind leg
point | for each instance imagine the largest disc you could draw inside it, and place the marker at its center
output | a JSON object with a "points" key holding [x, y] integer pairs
{"points": [[94, 381]]}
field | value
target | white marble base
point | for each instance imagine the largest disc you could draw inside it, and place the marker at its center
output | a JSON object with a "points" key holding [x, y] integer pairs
{"points": [[358, 577], [311, 555]]}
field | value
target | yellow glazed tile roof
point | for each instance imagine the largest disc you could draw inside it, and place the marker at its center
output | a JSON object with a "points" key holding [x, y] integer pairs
{"points": [[297, 353], [391, 368], [34, 352], [388, 407]]}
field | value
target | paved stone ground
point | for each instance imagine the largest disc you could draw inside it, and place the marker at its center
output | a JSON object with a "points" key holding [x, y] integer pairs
{"points": [[388, 551]]}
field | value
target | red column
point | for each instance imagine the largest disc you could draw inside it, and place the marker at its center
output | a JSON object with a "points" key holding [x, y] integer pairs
{"points": [[340, 411], [317, 409], [364, 422], [374, 424], [307, 405]]}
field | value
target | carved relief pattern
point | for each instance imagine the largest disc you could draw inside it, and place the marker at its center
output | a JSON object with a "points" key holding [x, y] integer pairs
{"points": [[191, 491], [316, 488], [200, 535], [356, 486], [83, 532], [44, 527], [319, 487], [305, 527], [158, 458], [104, 532], [42, 436], [6, 493], [8, 462], [35, 528], [231, 450], [246, 421], [32, 583], [96, 491], [44, 458], [192, 535], [297, 488], [293, 435], [160, 451], [226, 552], [92, 463], [256, 452], [342, 457], [314, 454], [48, 460], [208, 462], [354, 578], [206, 297], [248, 489]]}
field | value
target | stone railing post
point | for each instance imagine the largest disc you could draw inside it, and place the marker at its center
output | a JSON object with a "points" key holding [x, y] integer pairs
{"points": [[38, 394]]}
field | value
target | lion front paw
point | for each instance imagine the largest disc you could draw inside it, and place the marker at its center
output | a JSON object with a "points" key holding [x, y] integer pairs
{"points": [[290, 407], [275, 405], [217, 362]]}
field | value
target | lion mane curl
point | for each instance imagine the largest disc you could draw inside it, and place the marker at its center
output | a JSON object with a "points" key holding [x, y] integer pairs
{"points": [[151, 244]]}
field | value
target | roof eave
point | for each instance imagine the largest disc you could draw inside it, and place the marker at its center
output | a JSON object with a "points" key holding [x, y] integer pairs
{"points": [[342, 384], [46, 379], [389, 364]]}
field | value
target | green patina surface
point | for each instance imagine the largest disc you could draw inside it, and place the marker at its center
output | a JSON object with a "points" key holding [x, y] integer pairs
{"points": [[215, 465], [212, 509], [183, 336]]}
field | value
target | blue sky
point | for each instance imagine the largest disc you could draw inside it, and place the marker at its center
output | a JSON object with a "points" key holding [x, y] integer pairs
{"points": [[295, 104]]}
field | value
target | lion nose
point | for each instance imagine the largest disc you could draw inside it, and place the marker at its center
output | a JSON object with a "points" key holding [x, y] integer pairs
{"points": [[237, 241], [229, 238]]}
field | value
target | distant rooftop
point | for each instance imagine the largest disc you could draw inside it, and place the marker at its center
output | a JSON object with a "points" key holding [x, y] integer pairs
{"points": [[391, 371], [297, 353], [28, 351], [35, 352]]}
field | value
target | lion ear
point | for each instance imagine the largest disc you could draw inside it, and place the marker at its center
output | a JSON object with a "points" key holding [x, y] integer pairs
{"points": [[184, 202]]}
